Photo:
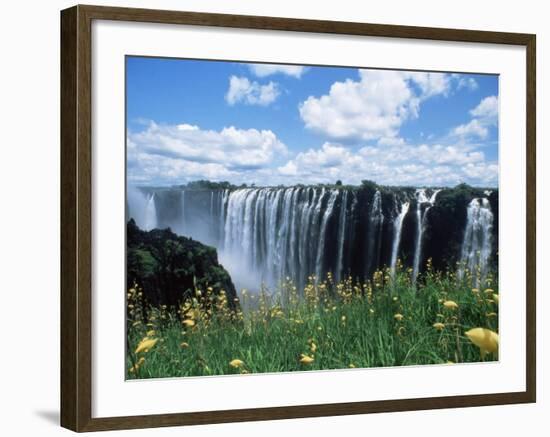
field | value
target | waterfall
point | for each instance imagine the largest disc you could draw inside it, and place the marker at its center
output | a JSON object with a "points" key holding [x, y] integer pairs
{"points": [[293, 266], [182, 218], [142, 208], [221, 226], [211, 217], [477, 243], [421, 218], [284, 232], [305, 222], [320, 272], [274, 233], [314, 237], [150, 214], [351, 224], [342, 236], [272, 224], [258, 246], [266, 234], [374, 233], [397, 227]]}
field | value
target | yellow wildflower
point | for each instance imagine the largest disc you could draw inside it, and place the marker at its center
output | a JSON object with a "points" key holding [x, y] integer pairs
{"points": [[439, 326], [495, 298], [236, 363], [150, 333], [189, 323], [146, 344], [184, 345], [351, 366], [306, 359], [450, 304], [313, 347], [489, 291], [398, 317], [485, 339], [136, 366]]}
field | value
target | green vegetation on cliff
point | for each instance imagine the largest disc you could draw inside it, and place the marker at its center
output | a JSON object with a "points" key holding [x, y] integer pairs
{"points": [[169, 268]]}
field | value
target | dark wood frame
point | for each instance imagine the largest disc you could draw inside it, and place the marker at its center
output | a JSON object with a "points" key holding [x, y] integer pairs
{"points": [[76, 218]]}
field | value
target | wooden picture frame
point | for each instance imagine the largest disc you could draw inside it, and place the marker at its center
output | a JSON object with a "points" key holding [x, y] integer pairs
{"points": [[76, 217]]}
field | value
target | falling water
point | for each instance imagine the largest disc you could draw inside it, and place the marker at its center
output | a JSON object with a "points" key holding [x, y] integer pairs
{"points": [[263, 235], [476, 246], [321, 249], [141, 208], [271, 232], [422, 201], [349, 235], [310, 234], [374, 233], [397, 227], [150, 214], [311, 197], [182, 219], [342, 236], [221, 225]]}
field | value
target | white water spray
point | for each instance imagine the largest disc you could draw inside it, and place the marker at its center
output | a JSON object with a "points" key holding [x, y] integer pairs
{"points": [[397, 227], [342, 236], [477, 243], [423, 205]]}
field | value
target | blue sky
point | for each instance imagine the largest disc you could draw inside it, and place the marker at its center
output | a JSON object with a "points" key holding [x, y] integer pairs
{"points": [[281, 124]]}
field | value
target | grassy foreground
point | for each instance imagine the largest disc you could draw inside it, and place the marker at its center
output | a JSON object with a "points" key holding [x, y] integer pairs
{"points": [[386, 322]]}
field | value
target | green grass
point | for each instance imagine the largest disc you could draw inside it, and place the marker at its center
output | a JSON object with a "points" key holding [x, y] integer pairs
{"points": [[338, 325]]}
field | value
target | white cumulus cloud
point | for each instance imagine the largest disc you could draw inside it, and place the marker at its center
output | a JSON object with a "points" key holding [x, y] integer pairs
{"points": [[180, 152], [399, 164], [431, 84], [472, 128], [487, 109], [373, 107], [484, 115], [465, 82], [242, 90], [263, 70]]}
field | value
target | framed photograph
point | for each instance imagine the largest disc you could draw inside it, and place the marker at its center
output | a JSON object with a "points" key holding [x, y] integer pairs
{"points": [[268, 218]]}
